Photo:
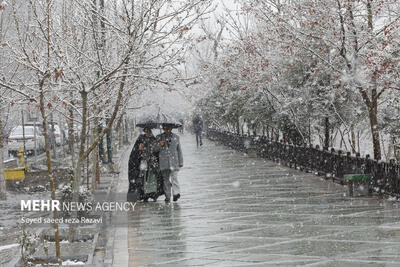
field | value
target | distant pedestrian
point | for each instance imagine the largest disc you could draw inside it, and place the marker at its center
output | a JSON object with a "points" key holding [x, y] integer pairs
{"points": [[170, 160], [198, 129], [180, 129]]}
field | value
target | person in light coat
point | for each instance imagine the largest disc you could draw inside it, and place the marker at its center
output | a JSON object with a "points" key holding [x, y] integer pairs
{"points": [[170, 161]]}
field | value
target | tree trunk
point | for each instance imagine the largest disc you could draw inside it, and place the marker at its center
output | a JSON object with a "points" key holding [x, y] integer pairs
{"points": [[109, 144], [373, 119], [84, 154], [372, 104], [78, 167], [375, 135], [24, 152], [121, 138], [62, 136], [101, 143], [49, 169], [113, 116], [87, 159], [53, 137], [353, 139], [95, 158], [71, 133], [119, 130], [342, 141], [3, 194], [309, 133], [126, 123], [46, 136], [327, 128]]}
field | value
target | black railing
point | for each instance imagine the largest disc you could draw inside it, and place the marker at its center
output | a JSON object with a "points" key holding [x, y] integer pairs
{"points": [[332, 164]]}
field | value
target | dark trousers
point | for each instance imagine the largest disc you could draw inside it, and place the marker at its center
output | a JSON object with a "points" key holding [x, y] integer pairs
{"points": [[199, 140]]}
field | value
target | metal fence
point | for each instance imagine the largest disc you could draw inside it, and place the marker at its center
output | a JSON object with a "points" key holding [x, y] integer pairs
{"points": [[332, 164]]}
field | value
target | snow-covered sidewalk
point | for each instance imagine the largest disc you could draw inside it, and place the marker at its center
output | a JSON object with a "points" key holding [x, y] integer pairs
{"points": [[242, 211]]}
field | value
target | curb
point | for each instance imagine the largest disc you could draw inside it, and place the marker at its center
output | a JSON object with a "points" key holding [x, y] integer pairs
{"points": [[108, 229]]}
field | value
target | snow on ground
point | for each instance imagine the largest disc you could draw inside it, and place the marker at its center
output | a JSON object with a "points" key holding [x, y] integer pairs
{"points": [[68, 262], [8, 246], [236, 210], [64, 263]]}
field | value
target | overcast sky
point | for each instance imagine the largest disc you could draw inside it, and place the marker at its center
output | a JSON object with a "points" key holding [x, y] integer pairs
{"points": [[174, 101]]}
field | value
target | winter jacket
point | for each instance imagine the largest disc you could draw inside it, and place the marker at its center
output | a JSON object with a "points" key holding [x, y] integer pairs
{"points": [[197, 125], [136, 156], [170, 155]]}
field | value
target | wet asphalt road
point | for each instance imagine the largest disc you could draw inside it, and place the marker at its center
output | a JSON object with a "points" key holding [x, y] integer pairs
{"points": [[241, 211]]}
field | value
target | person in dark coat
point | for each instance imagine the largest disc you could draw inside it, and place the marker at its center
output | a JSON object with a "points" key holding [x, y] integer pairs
{"points": [[142, 159], [198, 129]]}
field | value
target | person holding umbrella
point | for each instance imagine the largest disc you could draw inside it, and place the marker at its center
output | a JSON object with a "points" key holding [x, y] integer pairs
{"points": [[170, 160], [143, 171]]}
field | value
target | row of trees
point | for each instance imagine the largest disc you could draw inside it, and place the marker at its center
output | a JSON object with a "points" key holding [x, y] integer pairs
{"points": [[85, 60], [305, 68]]}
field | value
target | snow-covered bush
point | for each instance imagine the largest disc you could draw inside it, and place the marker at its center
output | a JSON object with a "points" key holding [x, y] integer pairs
{"points": [[66, 196], [27, 241]]}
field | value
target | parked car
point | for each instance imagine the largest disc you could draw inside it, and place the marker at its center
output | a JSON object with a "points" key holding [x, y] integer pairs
{"points": [[58, 135], [76, 133], [16, 139], [5, 135], [37, 124]]}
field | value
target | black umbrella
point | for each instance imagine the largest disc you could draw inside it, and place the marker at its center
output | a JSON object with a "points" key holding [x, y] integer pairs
{"points": [[150, 121], [169, 120]]}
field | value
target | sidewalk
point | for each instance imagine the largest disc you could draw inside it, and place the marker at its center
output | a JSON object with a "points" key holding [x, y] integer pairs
{"points": [[10, 224], [241, 211]]}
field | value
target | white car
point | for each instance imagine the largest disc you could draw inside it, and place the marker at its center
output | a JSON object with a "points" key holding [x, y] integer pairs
{"points": [[16, 140], [57, 134], [75, 133]]}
